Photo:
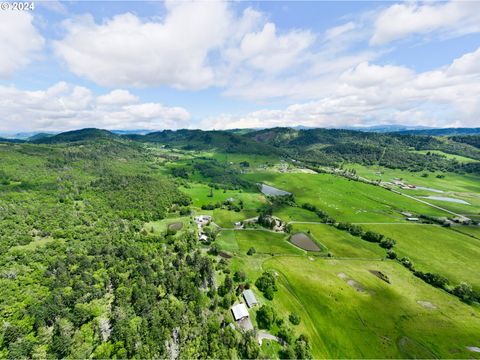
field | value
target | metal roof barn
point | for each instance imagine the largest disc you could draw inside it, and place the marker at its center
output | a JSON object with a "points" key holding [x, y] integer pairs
{"points": [[249, 297], [239, 311]]}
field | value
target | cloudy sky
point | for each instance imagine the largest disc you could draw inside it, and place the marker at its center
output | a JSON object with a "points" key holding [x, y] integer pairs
{"points": [[216, 65]]}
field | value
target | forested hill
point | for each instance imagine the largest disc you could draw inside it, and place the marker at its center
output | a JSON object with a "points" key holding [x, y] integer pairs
{"points": [[204, 140], [334, 146], [88, 134], [442, 132], [330, 147], [80, 275]]}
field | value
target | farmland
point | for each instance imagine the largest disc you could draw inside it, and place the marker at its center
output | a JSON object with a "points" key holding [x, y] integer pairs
{"points": [[331, 259]]}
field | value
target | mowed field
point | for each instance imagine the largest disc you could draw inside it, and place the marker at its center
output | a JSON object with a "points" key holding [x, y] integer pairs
{"points": [[345, 309], [344, 199], [340, 243], [264, 242], [371, 318], [464, 187], [222, 217], [437, 249]]}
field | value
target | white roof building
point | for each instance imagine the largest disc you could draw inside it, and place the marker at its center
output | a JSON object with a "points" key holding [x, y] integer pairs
{"points": [[249, 297], [239, 311]]}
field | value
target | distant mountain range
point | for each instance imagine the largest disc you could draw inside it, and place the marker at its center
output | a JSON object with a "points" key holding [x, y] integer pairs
{"points": [[398, 129]]}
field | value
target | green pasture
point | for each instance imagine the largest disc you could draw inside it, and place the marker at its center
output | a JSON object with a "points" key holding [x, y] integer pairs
{"points": [[451, 182], [461, 159], [473, 231], [340, 243], [437, 249], [382, 321], [160, 226], [200, 196], [264, 242], [346, 200]]}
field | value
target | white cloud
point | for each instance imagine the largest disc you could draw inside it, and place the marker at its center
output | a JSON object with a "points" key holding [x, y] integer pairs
{"points": [[401, 20], [197, 45], [337, 31], [117, 97], [127, 51], [19, 41], [370, 93], [270, 52], [63, 107]]}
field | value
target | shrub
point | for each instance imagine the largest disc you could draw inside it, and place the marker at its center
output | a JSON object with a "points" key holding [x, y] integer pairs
{"points": [[251, 251], [265, 317], [294, 318]]}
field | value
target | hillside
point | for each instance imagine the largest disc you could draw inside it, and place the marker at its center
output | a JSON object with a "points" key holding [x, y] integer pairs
{"points": [[89, 134]]}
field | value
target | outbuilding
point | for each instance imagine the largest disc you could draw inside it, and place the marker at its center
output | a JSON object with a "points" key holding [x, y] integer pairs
{"points": [[249, 297], [239, 311]]}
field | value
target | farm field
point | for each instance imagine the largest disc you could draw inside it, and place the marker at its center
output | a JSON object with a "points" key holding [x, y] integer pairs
{"points": [[264, 242], [451, 182], [411, 319], [340, 243], [436, 249], [345, 200], [458, 158]]}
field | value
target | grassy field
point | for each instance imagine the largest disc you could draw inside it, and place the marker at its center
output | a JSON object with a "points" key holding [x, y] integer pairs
{"points": [[461, 159], [224, 218], [451, 182], [264, 242], [382, 321], [340, 243], [436, 249], [344, 199]]}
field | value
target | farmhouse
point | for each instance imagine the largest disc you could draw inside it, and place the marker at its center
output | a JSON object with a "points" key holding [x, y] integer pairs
{"points": [[249, 297], [239, 312], [203, 237]]}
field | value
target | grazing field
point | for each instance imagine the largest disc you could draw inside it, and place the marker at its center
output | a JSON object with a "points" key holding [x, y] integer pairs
{"points": [[437, 249], [344, 199], [289, 213], [160, 226], [341, 243], [461, 159], [450, 182], [223, 217], [264, 242], [303, 241], [348, 312]]}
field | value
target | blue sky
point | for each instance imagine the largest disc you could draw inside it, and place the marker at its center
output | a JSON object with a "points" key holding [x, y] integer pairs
{"points": [[156, 65]]}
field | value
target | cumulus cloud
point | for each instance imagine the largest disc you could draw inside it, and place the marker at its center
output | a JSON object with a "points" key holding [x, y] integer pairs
{"points": [[268, 51], [369, 93], [127, 51], [19, 41], [64, 106], [197, 45], [401, 20]]}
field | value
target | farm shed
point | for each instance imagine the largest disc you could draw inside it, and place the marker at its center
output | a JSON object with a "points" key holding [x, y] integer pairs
{"points": [[249, 297], [239, 311]]}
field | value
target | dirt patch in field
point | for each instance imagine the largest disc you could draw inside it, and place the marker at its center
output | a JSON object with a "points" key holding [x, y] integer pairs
{"points": [[414, 350], [380, 275], [342, 276], [303, 241], [426, 304], [356, 285], [175, 226], [225, 255]]}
